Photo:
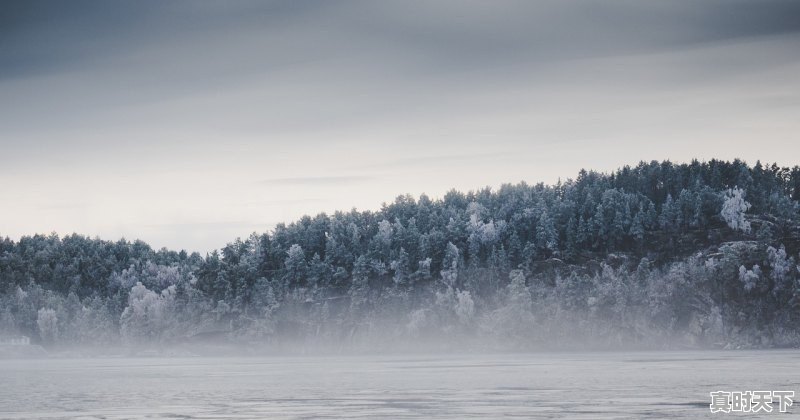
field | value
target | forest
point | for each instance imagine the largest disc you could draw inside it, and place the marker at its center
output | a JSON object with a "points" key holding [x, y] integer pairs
{"points": [[657, 255]]}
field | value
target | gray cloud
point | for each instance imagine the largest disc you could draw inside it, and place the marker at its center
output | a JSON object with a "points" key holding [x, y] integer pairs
{"points": [[42, 36]]}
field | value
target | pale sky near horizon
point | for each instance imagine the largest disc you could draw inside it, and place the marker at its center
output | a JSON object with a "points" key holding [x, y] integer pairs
{"points": [[188, 124]]}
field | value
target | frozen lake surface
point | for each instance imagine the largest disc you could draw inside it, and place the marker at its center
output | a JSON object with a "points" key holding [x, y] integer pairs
{"points": [[570, 385]]}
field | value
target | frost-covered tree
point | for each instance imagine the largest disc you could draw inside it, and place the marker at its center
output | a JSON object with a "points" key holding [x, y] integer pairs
{"points": [[359, 288], [464, 307], [47, 323], [263, 320], [8, 323], [734, 208], [668, 219], [514, 320], [384, 237], [518, 293], [450, 265], [142, 320], [400, 268], [295, 266], [94, 324], [319, 272], [546, 234], [477, 210], [481, 236], [423, 269], [782, 268], [749, 278], [385, 232], [637, 229]]}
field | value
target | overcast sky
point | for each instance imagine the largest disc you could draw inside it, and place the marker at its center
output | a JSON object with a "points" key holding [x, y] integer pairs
{"points": [[187, 124]]}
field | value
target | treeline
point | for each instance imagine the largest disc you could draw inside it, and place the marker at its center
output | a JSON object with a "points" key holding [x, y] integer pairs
{"points": [[699, 253]]}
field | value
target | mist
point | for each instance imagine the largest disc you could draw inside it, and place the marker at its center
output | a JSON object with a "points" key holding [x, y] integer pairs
{"points": [[602, 262]]}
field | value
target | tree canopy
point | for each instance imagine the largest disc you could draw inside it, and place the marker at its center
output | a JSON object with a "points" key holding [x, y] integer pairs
{"points": [[704, 251]]}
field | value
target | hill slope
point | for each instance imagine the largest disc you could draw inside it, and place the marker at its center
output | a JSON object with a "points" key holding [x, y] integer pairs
{"points": [[656, 255]]}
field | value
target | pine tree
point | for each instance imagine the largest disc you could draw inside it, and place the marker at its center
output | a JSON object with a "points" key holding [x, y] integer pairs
{"points": [[400, 267], [637, 230], [546, 235], [669, 215], [450, 265], [295, 267]]}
